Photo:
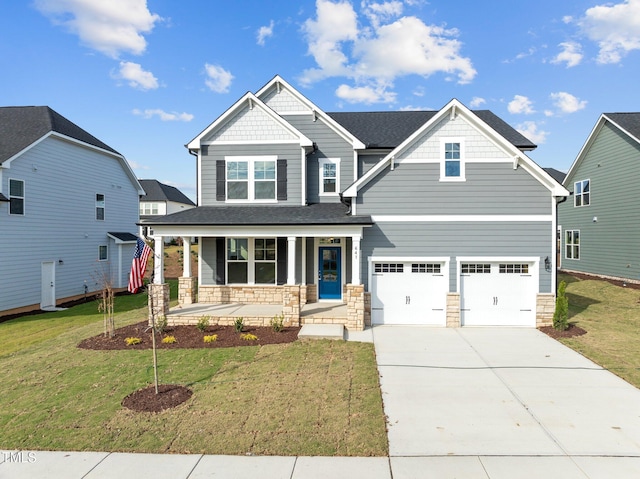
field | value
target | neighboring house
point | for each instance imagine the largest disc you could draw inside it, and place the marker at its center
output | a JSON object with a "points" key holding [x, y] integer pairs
{"points": [[417, 217], [557, 175], [68, 211], [160, 200], [600, 219]]}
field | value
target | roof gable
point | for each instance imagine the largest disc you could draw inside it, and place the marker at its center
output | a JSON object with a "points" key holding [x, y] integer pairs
{"points": [[156, 191]]}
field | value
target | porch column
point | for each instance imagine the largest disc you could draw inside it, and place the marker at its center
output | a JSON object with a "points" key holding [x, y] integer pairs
{"points": [[158, 259], [186, 257], [355, 259], [291, 260]]}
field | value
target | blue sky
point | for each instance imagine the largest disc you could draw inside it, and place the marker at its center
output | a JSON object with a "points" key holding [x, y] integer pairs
{"points": [[147, 76]]}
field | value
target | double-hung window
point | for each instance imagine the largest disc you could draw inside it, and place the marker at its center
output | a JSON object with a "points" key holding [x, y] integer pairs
{"points": [[572, 244], [251, 260], [103, 252], [251, 178], [452, 166], [99, 206], [16, 197], [329, 176], [582, 193]]}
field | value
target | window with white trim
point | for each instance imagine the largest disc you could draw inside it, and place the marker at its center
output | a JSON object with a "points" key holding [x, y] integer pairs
{"points": [[265, 260], [582, 193], [148, 209], [251, 260], [99, 206], [103, 252], [251, 178], [452, 167], [16, 197], [572, 244], [237, 260], [329, 176]]}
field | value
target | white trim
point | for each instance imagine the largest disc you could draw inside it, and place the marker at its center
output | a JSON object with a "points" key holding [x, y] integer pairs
{"points": [[303, 174], [461, 160], [241, 231], [250, 142], [316, 263], [321, 163], [575, 194], [453, 218], [100, 246], [251, 260], [199, 172], [436, 161]]}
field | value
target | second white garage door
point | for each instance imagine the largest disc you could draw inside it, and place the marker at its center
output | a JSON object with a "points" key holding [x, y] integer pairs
{"points": [[497, 294], [409, 293]]}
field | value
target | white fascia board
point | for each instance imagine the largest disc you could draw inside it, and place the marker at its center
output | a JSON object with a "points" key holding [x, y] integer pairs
{"points": [[345, 134], [585, 147], [244, 231]]}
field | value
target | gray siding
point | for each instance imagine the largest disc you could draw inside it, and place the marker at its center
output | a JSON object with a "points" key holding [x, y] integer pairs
{"points": [[61, 182], [489, 189], [330, 145], [208, 261], [292, 153], [608, 246], [448, 239]]}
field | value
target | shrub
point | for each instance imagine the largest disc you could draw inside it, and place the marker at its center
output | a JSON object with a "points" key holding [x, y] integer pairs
{"points": [[561, 314], [249, 337], [212, 338], [169, 340], [238, 325], [132, 341], [277, 323], [161, 324], [202, 324]]}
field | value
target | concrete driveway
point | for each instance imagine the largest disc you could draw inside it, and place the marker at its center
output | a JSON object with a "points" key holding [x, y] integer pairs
{"points": [[477, 401]]}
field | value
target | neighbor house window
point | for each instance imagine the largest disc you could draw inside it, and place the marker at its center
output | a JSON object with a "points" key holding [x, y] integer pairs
{"points": [[148, 209], [102, 253], [572, 244], [329, 176], [251, 260], [16, 197], [99, 206], [582, 193], [251, 178], [452, 161]]}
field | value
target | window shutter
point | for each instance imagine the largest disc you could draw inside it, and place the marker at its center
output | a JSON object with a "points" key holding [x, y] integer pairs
{"points": [[221, 180], [221, 254], [282, 180], [281, 266]]}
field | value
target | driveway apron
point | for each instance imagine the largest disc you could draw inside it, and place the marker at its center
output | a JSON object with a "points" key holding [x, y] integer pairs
{"points": [[500, 392]]}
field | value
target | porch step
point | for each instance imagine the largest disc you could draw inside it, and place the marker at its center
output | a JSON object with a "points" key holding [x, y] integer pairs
{"points": [[321, 331]]}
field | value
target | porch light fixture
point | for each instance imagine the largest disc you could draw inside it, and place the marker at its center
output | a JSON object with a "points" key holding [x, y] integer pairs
{"points": [[547, 264]]}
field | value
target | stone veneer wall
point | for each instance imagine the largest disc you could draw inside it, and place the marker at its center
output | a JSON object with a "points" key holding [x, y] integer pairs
{"points": [[254, 294], [187, 290], [158, 299], [453, 310], [545, 307], [354, 298], [312, 293], [367, 309]]}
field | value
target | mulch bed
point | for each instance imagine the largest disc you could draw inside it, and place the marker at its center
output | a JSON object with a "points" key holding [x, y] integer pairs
{"points": [[146, 400], [572, 331], [189, 337]]}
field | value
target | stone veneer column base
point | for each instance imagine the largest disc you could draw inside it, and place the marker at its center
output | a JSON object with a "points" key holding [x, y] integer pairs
{"points": [[291, 305], [354, 297], [545, 307], [186, 290], [453, 310], [367, 309], [158, 299]]}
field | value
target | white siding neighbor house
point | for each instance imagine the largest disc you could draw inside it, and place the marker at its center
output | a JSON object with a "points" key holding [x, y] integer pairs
{"points": [[406, 217], [68, 211], [160, 200]]}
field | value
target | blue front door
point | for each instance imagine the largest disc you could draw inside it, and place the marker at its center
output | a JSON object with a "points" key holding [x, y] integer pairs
{"points": [[329, 281]]}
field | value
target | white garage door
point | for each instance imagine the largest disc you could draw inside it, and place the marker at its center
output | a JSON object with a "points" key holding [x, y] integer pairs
{"points": [[409, 293], [497, 294]]}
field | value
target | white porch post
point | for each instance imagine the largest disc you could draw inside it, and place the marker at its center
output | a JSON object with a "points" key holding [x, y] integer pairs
{"points": [[158, 260], [186, 257], [355, 259], [291, 260]]}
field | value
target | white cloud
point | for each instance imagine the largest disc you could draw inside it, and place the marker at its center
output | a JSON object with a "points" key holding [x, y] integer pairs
{"points": [[137, 166], [365, 94], [110, 27], [531, 130], [476, 101], [218, 79], [520, 105], [163, 115], [567, 103], [136, 76], [571, 54], [374, 56], [264, 33], [616, 29]]}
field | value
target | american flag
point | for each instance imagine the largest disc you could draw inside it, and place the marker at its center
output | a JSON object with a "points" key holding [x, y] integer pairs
{"points": [[138, 265]]}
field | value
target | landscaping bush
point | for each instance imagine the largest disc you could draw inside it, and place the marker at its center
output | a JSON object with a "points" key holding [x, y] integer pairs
{"points": [[203, 322], [238, 325], [132, 341], [169, 340], [249, 337], [561, 314], [277, 323], [212, 338]]}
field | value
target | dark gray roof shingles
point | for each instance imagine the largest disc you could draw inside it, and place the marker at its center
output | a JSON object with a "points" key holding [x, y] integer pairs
{"points": [[126, 237], [156, 191], [555, 174], [630, 122], [20, 126]]}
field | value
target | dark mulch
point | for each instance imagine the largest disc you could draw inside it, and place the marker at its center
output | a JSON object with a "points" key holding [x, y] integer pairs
{"points": [[189, 337], [572, 331], [146, 400]]}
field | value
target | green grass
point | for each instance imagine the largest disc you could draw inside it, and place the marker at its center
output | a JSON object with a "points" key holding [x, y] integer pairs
{"points": [[304, 398], [611, 316]]}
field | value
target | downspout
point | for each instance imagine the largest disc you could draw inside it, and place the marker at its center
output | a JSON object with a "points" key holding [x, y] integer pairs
{"points": [[197, 179], [558, 247]]}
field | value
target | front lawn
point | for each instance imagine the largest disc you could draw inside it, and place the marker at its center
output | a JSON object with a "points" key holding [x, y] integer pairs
{"points": [[303, 398], [611, 316]]}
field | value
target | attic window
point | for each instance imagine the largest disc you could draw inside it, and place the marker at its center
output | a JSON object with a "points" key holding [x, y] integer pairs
{"points": [[452, 166]]}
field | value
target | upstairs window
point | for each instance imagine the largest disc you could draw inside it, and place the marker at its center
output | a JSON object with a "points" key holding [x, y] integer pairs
{"points": [[251, 179], [582, 193], [329, 176], [16, 197], [452, 161], [148, 209], [100, 207]]}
